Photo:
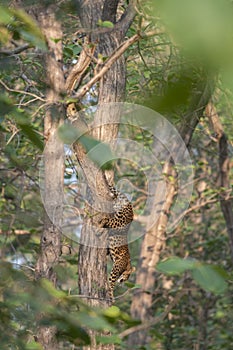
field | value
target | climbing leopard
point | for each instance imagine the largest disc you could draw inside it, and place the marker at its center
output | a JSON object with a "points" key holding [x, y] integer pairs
{"points": [[118, 224]]}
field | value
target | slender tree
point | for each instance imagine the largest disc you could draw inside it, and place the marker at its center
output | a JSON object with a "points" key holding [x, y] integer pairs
{"points": [[106, 42], [51, 310], [100, 42], [155, 237], [53, 162], [224, 170]]}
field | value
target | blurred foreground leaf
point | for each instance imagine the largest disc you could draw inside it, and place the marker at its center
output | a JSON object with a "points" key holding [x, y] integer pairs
{"points": [[22, 26], [203, 28], [21, 119], [99, 152], [209, 277], [175, 265]]}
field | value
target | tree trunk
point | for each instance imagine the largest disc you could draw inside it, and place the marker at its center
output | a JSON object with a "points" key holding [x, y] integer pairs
{"points": [[53, 177], [224, 169], [155, 238], [92, 261]]}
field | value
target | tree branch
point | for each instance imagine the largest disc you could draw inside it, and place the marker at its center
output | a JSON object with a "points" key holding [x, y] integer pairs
{"points": [[15, 51], [127, 18], [110, 10], [21, 91], [118, 53], [77, 72], [144, 219], [155, 320]]}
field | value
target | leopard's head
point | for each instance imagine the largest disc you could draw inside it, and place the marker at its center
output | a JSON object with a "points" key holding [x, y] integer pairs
{"points": [[126, 274]]}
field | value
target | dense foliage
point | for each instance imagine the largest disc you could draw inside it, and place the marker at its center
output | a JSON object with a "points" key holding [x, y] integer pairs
{"points": [[165, 70]]}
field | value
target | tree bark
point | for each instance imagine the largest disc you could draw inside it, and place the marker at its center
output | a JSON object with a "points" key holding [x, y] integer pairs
{"points": [[224, 169], [154, 240], [53, 164]]}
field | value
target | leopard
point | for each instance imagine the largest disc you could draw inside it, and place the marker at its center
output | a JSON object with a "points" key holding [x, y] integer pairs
{"points": [[118, 224]]}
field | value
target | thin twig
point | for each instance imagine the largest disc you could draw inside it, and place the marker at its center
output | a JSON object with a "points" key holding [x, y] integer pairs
{"points": [[27, 103], [15, 51], [155, 320], [211, 200], [25, 266], [106, 66], [112, 59], [96, 298], [38, 109], [21, 91]]}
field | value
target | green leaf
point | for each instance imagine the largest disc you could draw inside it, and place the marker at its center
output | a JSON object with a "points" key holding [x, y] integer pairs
{"points": [[5, 15], [51, 290], [28, 130], [94, 321], [111, 339], [112, 312], [6, 105], [209, 278], [32, 345], [132, 285], [106, 24], [56, 40], [32, 135], [22, 121], [69, 327], [29, 29], [175, 265], [22, 26], [77, 49], [204, 28], [68, 51]]}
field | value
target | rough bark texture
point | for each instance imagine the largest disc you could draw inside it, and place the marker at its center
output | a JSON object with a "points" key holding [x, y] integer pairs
{"points": [[53, 164], [155, 238], [92, 242], [224, 169]]}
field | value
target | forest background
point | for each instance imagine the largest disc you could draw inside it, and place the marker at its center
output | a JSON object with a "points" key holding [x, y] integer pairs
{"points": [[179, 66]]}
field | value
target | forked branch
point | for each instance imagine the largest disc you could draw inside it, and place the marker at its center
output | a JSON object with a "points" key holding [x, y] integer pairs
{"points": [[107, 65]]}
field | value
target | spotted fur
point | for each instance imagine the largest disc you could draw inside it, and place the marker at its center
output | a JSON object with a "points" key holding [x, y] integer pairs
{"points": [[118, 224]]}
